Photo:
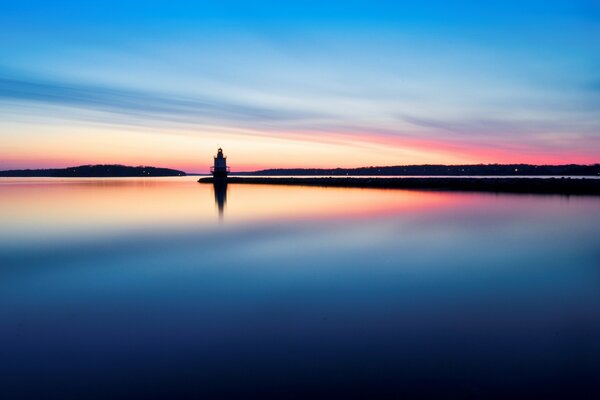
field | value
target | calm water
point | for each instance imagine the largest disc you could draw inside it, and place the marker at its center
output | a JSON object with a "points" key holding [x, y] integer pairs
{"points": [[133, 288]]}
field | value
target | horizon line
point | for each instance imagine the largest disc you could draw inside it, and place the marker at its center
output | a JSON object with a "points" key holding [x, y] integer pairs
{"points": [[307, 168]]}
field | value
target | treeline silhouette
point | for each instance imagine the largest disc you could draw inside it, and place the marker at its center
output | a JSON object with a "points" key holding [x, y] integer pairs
{"points": [[94, 171], [442, 170]]}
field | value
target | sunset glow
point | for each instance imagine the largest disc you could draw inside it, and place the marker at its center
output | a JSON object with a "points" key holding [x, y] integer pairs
{"points": [[279, 85]]}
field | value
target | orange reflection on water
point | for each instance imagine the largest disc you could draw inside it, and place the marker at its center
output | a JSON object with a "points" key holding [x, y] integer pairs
{"points": [[294, 202], [63, 204], [50, 206]]}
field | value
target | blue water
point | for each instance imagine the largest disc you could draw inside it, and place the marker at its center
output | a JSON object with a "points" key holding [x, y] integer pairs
{"points": [[151, 288]]}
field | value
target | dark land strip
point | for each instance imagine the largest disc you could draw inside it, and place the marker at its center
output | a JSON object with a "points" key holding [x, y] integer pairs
{"points": [[565, 186], [93, 171]]}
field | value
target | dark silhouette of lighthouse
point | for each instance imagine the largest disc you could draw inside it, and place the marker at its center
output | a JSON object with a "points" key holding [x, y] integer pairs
{"points": [[220, 170]]}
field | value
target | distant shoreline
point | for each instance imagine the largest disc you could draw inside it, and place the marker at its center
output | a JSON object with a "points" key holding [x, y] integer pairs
{"points": [[564, 186], [412, 171], [93, 171], [428, 170]]}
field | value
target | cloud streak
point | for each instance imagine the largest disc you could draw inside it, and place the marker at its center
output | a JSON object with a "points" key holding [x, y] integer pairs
{"points": [[479, 139], [143, 104]]}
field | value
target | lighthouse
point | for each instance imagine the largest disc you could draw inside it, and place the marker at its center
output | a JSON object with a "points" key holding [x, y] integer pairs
{"points": [[220, 169]]}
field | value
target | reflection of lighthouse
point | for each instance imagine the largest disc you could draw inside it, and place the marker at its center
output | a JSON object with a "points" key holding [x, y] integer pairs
{"points": [[220, 191], [220, 168]]}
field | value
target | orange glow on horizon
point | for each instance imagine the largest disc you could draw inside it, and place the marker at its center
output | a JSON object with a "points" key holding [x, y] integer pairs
{"points": [[192, 150]]}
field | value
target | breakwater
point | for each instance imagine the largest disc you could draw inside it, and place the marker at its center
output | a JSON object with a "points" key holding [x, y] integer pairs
{"points": [[510, 185]]}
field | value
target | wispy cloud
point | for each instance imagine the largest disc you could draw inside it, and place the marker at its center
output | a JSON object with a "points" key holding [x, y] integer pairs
{"points": [[142, 104], [490, 127]]}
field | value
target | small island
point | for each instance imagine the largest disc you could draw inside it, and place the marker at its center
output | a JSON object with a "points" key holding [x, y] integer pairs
{"points": [[94, 171]]}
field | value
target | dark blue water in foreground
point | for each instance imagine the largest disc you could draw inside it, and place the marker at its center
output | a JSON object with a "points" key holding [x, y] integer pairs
{"points": [[139, 289]]}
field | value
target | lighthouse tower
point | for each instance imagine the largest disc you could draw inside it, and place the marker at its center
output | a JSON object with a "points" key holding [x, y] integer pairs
{"points": [[220, 168]]}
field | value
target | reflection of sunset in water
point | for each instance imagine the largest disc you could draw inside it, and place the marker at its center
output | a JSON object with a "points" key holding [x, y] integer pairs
{"points": [[54, 204], [270, 201], [45, 208]]}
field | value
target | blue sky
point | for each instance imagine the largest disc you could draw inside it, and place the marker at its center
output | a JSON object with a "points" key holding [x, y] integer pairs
{"points": [[358, 83]]}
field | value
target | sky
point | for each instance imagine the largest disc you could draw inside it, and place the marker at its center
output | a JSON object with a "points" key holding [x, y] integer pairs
{"points": [[298, 84]]}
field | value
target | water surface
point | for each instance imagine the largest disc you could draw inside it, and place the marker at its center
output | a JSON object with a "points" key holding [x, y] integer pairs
{"points": [[123, 288]]}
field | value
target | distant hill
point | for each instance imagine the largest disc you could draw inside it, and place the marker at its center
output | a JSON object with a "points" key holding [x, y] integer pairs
{"points": [[93, 171], [442, 170]]}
